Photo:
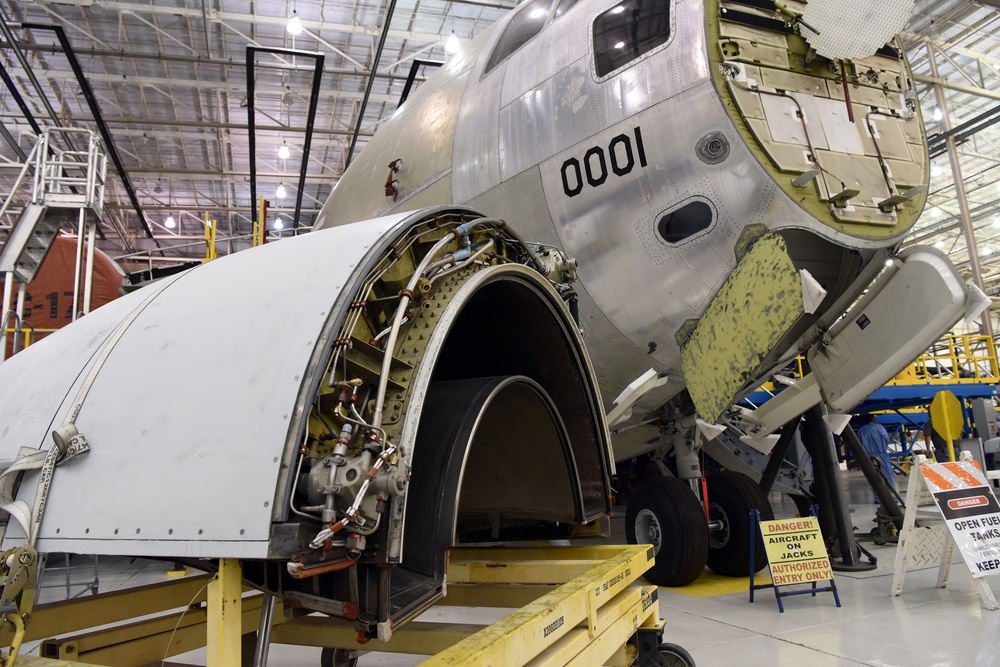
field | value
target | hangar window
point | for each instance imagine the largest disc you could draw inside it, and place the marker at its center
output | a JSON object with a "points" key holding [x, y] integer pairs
{"points": [[522, 27], [628, 30], [685, 222]]}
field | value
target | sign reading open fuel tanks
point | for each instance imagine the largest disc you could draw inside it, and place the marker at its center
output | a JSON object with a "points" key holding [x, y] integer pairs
{"points": [[796, 551], [971, 511]]}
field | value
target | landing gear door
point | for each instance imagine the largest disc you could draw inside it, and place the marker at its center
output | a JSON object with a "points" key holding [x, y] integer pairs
{"points": [[910, 307]]}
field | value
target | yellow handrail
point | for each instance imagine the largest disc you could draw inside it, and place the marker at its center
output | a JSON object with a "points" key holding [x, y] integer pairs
{"points": [[30, 333], [955, 359]]}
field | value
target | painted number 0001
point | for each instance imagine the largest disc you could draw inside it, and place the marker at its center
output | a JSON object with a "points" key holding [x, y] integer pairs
{"points": [[595, 163]]}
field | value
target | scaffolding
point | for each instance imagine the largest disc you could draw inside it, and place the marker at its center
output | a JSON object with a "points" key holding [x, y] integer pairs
{"points": [[66, 184]]}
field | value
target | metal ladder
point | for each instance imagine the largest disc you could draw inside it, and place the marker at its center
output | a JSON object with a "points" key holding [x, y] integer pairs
{"points": [[66, 184]]}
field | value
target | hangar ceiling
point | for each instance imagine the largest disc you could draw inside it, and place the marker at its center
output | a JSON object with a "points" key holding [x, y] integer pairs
{"points": [[170, 79]]}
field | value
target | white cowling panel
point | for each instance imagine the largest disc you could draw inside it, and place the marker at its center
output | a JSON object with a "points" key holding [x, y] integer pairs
{"points": [[188, 418]]}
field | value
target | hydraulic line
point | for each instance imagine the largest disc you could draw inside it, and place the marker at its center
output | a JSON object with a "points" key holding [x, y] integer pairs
{"points": [[404, 300], [476, 254]]}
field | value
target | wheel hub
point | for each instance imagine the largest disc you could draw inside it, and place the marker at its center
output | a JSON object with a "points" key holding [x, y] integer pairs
{"points": [[718, 537], [647, 529]]}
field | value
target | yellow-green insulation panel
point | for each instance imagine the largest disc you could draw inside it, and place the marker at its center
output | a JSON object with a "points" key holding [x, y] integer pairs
{"points": [[756, 306]]}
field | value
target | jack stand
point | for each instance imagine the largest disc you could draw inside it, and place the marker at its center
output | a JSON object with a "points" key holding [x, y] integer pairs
{"points": [[886, 529], [830, 489]]}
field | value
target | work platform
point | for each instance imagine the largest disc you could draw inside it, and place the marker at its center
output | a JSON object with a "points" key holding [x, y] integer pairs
{"points": [[577, 605], [714, 622]]}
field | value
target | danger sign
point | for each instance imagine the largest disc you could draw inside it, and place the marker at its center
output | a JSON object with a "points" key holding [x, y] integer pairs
{"points": [[796, 551], [971, 511]]}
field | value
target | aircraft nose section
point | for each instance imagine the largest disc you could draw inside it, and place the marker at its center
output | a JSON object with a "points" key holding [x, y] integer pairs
{"points": [[839, 133]]}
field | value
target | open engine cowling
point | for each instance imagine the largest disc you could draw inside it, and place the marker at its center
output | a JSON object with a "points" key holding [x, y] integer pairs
{"points": [[359, 397]]}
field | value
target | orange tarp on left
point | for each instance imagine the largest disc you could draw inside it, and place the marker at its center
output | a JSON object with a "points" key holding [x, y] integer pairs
{"points": [[48, 302]]}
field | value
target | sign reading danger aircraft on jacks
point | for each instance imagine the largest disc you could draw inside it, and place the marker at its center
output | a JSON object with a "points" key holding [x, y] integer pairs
{"points": [[795, 551], [971, 511]]}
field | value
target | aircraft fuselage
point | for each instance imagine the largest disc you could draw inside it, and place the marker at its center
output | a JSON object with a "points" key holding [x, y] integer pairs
{"points": [[649, 169]]}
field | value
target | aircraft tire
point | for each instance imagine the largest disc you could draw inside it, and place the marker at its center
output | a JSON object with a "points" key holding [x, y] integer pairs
{"points": [[664, 512], [336, 657], [731, 496]]}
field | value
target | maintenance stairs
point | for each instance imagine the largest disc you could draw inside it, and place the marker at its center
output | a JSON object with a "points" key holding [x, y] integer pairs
{"points": [[67, 185]]}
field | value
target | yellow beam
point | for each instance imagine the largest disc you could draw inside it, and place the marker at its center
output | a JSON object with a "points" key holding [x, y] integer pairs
{"points": [[224, 615], [31, 661], [615, 623], [493, 595], [595, 552], [500, 572], [60, 618], [519, 637], [414, 638], [148, 641]]}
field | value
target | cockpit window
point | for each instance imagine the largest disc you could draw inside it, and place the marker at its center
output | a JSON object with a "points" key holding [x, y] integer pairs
{"points": [[524, 25], [628, 30]]}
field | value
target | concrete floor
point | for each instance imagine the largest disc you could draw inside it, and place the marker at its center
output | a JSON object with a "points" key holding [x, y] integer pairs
{"points": [[713, 620]]}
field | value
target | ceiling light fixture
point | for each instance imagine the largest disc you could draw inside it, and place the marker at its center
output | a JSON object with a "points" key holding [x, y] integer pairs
{"points": [[278, 224], [283, 151], [294, 26], [170, 223], [288, 99], [936, 170], [280, 192], [987, 252], [938, 114], [939, 245], [452, 44]]}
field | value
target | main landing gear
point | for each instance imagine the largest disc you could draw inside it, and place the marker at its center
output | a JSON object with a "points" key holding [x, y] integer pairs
{"points": [[664, 512]]}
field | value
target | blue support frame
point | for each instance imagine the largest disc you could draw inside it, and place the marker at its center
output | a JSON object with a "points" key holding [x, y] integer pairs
{"points": [[890, 399]]}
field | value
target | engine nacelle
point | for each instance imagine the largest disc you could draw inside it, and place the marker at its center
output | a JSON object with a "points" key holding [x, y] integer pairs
{"points": [[357, 399]]}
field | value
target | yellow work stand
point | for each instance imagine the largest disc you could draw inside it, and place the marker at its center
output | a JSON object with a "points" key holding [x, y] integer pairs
{"points": [[577, 605]]}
